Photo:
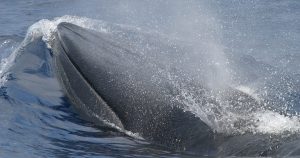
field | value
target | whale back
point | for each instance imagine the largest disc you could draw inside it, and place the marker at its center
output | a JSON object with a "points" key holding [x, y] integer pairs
{"points": [[128, 85]]}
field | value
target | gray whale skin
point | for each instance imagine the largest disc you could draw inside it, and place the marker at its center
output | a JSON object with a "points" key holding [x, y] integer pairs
{"points": [[110, 82]]}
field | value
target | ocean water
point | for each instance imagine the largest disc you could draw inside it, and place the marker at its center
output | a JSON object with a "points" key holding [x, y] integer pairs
{"points": [[253, 46]]}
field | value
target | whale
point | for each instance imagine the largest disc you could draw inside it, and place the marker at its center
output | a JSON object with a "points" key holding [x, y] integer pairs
{"points": [[109, 81], [109, 77], [137, 82]]}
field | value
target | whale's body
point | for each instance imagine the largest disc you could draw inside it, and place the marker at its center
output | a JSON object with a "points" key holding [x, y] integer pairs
{"points": [[134, 82], [116, 85], [130, 87]]}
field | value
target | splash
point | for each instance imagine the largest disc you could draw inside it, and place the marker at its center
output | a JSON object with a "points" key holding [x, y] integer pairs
{"points": [[7, 58], [231, 119], [46, 28]]}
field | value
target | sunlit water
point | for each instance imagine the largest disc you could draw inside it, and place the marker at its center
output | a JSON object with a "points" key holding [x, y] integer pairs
{"points": [[265, 36]]}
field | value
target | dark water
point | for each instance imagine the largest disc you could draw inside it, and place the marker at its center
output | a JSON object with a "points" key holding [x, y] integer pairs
{"points": [[37, 120]]}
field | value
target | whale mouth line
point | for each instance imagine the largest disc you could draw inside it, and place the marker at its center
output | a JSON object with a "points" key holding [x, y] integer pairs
{"points": [[119, 125]]}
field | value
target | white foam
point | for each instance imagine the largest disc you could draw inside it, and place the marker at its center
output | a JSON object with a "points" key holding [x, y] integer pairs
{"points": [[275, 123], [46, 28]]}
